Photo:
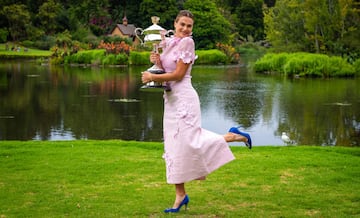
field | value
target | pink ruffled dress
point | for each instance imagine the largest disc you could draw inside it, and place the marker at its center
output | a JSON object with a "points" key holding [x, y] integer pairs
{"points": [[191, 152]]}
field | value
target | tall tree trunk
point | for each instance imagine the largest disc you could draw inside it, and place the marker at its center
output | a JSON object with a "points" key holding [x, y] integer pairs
{"points": [[316, 39]]}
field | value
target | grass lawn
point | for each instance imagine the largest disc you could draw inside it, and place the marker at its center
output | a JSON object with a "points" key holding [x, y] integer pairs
{"points": [[127, 179], [31, 53]]}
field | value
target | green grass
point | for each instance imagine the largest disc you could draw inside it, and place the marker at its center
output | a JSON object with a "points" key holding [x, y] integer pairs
{"points": [[127, 179], [31, 53]]}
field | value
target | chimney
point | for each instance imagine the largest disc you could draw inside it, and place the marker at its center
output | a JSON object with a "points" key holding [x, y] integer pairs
{"points": [[125, 21]]}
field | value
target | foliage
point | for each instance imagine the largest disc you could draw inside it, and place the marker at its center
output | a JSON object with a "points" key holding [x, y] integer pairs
{"points": [[63, 40], [115, 59], [96, 57], [319, 26], [45, 43], [100, 25], [230, 52], [18, 18], [85, 57], [305, 64], [47, 15], [3, 35], [210, 26], [139, 58], [116, 39], [356, 65], [115, 48], [84, 34], [246, 17], [250, 48], [249, 20], [166, 10], [212, 57], [27, 43]]}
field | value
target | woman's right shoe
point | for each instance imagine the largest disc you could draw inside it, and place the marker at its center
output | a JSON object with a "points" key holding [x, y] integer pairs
{"points": [[185, 202], [246, 135]]}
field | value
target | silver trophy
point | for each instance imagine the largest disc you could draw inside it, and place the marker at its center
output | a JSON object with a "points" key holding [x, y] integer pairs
{"points": [[152, 36]]}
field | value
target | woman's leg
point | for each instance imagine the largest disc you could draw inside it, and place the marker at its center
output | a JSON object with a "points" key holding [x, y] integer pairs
{"points": [[180, 194], [232, 137]]}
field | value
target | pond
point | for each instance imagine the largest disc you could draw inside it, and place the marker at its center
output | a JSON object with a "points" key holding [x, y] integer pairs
{"points": [[66, 103]]}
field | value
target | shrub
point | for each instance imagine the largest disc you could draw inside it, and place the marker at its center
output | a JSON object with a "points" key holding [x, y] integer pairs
{"points": [[3, 35], [27, 43], [356, 66], [231, 53], [56, 60], [278, 61], [112, 59], [109, 59], [45, 43], [305, 64], [294, 66], [250, 48], [122, 59], [263, 64], [212, 56], [139, 58], [96, 57], [115, 47], [338, 66], [79, 58]]}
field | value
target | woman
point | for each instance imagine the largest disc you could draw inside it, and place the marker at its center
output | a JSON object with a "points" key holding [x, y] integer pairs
{"points": [[191, 152]]}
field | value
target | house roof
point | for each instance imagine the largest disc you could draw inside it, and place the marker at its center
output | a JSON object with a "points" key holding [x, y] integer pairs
{"points": [[127, 30]]}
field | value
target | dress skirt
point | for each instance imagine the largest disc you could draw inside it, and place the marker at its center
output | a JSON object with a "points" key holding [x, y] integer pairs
{"points": [[191, 152]]}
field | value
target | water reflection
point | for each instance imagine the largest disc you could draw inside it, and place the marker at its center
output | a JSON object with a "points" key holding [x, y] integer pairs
{"points": [[64, 103]]}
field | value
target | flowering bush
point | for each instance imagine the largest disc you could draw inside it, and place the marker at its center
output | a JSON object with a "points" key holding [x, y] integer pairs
{"points": [[233, 56], [115, 47]]}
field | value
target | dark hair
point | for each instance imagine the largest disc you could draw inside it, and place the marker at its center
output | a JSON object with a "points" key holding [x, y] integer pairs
{"points": [[184, 13]]}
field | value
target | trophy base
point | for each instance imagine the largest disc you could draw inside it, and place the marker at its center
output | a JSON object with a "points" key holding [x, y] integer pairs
{"points": [[147, 88], [155, 86]]}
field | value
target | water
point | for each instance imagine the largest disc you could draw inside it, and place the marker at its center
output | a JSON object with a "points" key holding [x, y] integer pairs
{"points": [[67, 103]]}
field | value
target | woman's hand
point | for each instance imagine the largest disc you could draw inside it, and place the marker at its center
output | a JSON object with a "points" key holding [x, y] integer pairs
{"points": [[146, 77], [155, 58]]}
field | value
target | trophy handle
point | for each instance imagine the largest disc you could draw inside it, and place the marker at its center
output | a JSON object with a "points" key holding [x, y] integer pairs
{"points": [[138, 32], [169, 33]]}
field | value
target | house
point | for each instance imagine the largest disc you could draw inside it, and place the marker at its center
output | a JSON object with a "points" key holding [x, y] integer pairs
{"points": [[125, 30]]}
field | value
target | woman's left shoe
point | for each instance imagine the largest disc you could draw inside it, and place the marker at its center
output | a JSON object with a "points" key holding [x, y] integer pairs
{"points": [[246, 135], [185, 202]]}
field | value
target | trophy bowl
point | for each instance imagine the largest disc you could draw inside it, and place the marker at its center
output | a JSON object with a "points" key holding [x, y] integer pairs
{"points": [[152, 36]]}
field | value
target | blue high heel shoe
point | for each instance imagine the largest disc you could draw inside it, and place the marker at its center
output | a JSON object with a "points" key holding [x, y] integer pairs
{"points": [[185, 202], [246, 135]]}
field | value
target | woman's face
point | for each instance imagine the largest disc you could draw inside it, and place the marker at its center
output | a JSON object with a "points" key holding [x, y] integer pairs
{"points": [[183, 27]]}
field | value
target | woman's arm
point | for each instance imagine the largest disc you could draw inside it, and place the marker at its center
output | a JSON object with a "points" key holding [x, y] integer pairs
{"points": [[176, 75]]}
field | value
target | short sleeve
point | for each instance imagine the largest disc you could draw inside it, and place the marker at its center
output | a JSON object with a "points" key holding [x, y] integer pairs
{"points": [[186, 51]]}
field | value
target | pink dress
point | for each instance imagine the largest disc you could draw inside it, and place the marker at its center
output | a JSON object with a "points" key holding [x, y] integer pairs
{"points": [[191, 152]]}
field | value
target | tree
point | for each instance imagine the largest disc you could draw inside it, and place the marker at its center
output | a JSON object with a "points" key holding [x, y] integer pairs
{"points": [[167, 11], [128, 8], [284, 25], [250, 19], [245, 15], [210, 26], [322, 26], [47, 15], [18, 18]]}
